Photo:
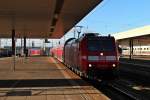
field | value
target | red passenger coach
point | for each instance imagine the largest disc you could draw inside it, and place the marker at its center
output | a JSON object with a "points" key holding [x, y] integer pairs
{"points": [[35, 52], [57, 52], [92, 55]]}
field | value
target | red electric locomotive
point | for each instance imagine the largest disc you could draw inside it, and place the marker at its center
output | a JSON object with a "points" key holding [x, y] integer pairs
{"points": [[91, 56]]}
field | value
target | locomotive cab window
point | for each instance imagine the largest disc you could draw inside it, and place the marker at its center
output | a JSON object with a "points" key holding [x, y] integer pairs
{"points": [[100, 45]]}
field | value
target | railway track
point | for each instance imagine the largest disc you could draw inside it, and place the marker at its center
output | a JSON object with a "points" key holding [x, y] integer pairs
{"points": [[124, 91], [140, 67], [135, 72], [121, 89], [137, 76]]}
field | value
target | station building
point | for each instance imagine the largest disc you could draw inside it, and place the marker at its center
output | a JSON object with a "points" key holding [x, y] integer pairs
{"points": [[134, 42]]}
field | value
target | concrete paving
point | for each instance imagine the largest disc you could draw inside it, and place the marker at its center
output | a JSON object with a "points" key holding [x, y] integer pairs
{"points": [[43, 78]]}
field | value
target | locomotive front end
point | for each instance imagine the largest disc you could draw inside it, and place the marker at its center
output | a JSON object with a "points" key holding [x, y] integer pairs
{"points": [[102, 59]]}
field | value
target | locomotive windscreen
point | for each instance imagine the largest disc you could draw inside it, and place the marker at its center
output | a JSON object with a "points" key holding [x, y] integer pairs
{"points": [[101, 44]]}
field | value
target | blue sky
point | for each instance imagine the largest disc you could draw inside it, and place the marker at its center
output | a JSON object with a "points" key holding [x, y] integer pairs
{"points": [[113, 16]]}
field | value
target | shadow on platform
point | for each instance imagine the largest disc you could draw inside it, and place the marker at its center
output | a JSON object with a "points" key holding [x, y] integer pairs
{"points": [[42, 83]]}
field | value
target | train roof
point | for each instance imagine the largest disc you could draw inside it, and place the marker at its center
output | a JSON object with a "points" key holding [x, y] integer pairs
{"points": [[94, 35], [88, 36], [70, 39]]}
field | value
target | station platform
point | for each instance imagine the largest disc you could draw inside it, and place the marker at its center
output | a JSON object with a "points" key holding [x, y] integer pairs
{"points": [[42, 78]]}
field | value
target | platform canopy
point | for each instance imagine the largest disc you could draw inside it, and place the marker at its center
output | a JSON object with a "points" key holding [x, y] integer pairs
{"points": [[133, 33], [42, 18]]}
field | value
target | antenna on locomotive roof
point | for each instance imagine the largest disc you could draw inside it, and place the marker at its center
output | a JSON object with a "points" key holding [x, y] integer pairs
{"points": [[79, 30]]}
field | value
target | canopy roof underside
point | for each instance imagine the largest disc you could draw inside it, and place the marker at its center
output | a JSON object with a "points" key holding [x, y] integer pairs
{"points": [[42, 18]]}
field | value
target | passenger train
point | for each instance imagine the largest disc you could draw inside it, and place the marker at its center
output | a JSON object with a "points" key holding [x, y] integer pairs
{"points": [[137, 50], [34, 52], [90, 56]]}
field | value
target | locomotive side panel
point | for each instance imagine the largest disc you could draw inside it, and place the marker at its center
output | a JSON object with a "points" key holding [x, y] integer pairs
{"points": [[68, 54], [83, 56]]}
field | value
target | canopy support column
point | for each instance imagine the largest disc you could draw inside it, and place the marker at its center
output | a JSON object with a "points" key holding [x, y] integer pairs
{"points": [[131, 48]]}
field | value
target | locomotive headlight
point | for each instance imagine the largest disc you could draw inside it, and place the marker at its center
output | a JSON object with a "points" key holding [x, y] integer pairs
{"points": [[90, 65], [114, 65], [101, 54]]}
